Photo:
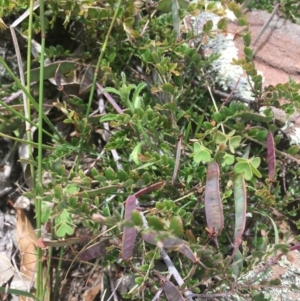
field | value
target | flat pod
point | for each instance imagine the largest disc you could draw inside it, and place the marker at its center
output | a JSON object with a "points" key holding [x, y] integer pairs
{"points": [[213, 203]]}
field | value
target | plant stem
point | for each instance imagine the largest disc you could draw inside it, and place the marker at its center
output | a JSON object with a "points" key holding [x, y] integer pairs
{"points": [[38, 202], [27, 108], [57, 275]]}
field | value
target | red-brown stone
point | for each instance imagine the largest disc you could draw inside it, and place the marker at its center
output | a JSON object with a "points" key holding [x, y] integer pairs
{"points": [[278, 49]]}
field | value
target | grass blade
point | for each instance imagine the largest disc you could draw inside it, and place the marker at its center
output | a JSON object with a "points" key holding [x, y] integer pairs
{"points": [[172, 292]]}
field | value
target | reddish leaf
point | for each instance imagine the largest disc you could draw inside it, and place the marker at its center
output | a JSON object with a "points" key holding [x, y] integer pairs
{"points": [[167, 241], [271, 156], [96, 250], [171, 291], [187, 252], [190, 236], [110, 99], [213, 203], [161, 238], [129, 233], [148, 189]]}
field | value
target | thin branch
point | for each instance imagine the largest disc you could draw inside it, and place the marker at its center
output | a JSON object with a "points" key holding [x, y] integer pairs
{"points": [[229, 96]]}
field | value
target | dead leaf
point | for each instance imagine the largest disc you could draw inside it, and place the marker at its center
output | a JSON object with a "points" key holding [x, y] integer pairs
{"points": [[91, 293], [26, 238], [6, 269]]}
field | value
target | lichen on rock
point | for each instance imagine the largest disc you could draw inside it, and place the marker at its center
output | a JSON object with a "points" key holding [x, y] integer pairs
{"points": [[227, 75]]}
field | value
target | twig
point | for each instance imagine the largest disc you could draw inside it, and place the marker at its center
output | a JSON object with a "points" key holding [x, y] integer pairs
{"points": [[15, 95], [265, 26], [110, 99]]}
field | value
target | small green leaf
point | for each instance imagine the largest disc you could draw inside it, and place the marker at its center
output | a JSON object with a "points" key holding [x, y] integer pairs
{"points": [[58, 192], [241, 165], [64, 229], [248, 174], [236, 9], [72, 188], [244, 167], [122, 175], [139, 280], [202, 155], [169, 88], [156, 223], [111, 90], [248, 52], [176, 225], [135, 153], [242, 22], [293, 150], [144, 268], [94, 172], [137, 218], [255, 162], [217, 117], [247, 39], [255, 171], [128, 183], [234, 142], [207, 27], [207, 125], [197, 146], [100, 178], [220, 138], [136, 98], [261, 135], [65, 216], [108, 117], [222, 24], [110, 174], [228, 159], [226, 112]]}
